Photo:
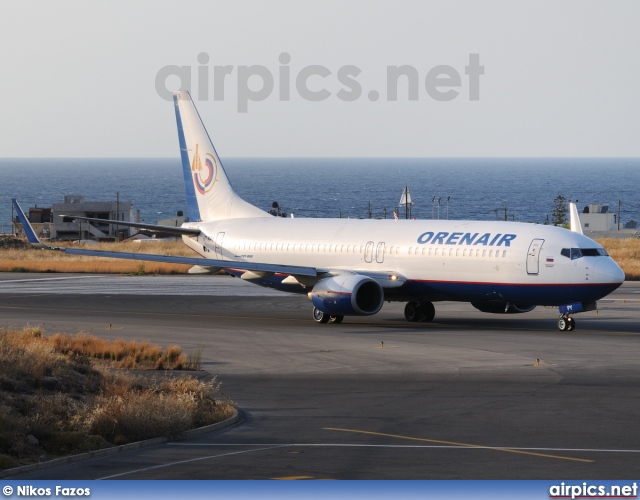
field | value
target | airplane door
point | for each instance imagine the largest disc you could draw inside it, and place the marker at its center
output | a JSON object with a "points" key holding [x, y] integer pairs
{"points": [[368, 252], [380, 253], [533, 256], [218, 245]]}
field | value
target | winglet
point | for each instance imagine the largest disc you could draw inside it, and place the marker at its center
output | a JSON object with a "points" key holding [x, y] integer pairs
{"points": [[574, 218], [26, 226]]}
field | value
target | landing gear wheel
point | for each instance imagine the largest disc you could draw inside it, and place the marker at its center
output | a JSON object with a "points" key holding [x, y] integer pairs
{"points": [[336, 319], [571, 325], [427, 312], [319, 316], [411, 312], [563, 324]]}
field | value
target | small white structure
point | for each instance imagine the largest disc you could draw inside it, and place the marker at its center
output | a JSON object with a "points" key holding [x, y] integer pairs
{"points": [[405, 200], [598, 218]]}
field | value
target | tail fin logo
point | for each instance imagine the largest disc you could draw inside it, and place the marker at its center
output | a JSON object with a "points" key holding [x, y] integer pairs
{"points": [[204, 177]]}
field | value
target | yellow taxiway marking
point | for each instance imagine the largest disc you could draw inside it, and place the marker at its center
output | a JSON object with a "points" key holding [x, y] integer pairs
{"points": [[453, 443]]}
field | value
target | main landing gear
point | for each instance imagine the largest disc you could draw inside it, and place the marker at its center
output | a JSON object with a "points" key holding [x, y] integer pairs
{"points": [[566, 323], [321, 317], [419, 311]]}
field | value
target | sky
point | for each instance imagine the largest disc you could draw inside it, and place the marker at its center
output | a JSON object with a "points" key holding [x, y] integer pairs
{"points": [[318, 79]]}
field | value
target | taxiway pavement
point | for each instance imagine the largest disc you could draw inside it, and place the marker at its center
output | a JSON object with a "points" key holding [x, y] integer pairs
{"points": [[372, 398]]}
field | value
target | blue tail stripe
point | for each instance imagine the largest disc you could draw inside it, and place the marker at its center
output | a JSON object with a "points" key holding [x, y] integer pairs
{"points": [[192, 202]]}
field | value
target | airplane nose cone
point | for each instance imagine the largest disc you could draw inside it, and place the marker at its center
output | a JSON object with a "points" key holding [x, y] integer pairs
{"points": [[607, 271]]}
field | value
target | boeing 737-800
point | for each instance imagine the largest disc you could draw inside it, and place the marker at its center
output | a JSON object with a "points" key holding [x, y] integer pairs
{"points": [[350, 267]]}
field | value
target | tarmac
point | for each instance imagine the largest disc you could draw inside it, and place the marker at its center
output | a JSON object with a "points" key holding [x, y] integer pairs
{"points": [[468, 396]]}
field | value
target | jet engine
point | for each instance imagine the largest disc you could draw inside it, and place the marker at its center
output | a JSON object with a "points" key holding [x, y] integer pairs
{"points": [[502, 307], [347, 295]]}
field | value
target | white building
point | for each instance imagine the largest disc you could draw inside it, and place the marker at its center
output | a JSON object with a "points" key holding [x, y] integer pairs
{"points": [[64, 227], [598, 218]]}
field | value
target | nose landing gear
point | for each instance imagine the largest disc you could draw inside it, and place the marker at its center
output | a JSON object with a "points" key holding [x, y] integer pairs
{"points": [[566, 323]]}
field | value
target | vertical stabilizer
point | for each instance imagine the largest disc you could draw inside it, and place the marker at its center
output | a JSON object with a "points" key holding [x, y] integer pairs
{"points": [[209, 192], [574, 218]]}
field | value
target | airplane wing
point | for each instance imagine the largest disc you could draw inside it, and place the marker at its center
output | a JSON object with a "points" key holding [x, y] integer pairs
{"points": [[197, 261], [385, 279]]}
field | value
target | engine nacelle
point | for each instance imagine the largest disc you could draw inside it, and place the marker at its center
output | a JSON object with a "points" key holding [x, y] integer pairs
{"points": [[502, 307], [347, 295]]}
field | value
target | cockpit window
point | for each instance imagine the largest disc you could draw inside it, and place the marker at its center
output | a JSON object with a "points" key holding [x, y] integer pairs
{"points": [[594, 252], [576, 253]]}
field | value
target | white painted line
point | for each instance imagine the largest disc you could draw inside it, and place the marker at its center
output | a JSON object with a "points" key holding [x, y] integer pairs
{"points": [[347, 445], [188, 461], [4, 282]]}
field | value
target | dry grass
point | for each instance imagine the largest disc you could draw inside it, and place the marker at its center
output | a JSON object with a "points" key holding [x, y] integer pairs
{"points": [[37, 260], [121, 353], [626, 253], [134, 408], [64, 392]]}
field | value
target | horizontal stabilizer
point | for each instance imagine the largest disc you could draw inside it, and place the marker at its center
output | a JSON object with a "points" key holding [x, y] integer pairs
{"points": [[140, 225]]}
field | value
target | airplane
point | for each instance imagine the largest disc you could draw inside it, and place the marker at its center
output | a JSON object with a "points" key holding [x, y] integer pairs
{"points": [[350, 267]]}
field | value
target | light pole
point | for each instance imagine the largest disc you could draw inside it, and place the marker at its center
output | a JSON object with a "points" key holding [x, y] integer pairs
{"points": [[117, 212]]}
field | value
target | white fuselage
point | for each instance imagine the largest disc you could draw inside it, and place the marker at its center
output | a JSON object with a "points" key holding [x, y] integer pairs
{"points": [[447, 255]]}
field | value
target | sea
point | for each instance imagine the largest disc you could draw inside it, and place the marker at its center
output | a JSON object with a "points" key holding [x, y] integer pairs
{"points": [[522, 189]]}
